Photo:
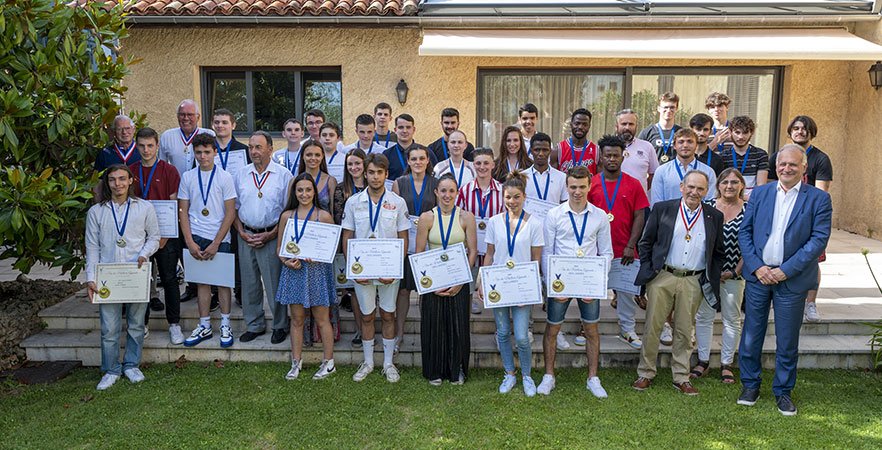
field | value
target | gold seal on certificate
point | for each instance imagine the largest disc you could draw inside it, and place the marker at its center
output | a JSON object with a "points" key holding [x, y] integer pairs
{"points": [[205, 212], [610, 216], [665, 158], [482, 225], [292, 248], [494, 296], [426, 282], [357, 268], [121, 242], [557, 286], [104, 292], [580, 253], [341, 278], [510, 264], [444, 257]]}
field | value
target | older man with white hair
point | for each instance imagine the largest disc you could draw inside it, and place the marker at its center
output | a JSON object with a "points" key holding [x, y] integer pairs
{"points": [[121, 149], [175, 144]]}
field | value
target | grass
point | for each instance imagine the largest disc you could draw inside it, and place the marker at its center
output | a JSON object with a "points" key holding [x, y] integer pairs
{"points": [[243, 405]]}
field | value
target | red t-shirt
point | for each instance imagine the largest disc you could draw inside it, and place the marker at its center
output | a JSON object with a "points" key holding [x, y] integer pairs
{"points": [[164, 183], [629, 199], [581, 157]]}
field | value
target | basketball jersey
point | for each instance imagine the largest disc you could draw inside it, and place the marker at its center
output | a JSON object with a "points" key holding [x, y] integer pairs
{"points": [[586, 157]]}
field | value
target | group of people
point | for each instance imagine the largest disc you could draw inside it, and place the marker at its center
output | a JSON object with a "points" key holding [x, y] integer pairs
{"points": [[693, 206]]}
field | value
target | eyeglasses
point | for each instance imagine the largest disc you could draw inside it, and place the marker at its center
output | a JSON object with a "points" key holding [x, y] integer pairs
{"points": [[186, 114]]}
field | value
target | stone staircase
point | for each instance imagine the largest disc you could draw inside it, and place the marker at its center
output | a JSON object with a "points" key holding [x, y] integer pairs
{"points": [[72, 332]]}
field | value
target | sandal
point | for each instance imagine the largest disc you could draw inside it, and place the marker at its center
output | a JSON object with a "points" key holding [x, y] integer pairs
{"points": [[696, 373], [727, 378]]}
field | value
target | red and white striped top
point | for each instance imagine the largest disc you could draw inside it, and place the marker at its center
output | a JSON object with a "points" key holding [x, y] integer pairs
{"points": [[492, 198]]}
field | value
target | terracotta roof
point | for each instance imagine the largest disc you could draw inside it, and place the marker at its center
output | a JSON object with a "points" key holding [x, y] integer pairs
{"points": [[142, 8]]}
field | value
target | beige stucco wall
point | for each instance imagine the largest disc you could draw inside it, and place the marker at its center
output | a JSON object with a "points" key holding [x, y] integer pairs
{"points": [[373, 60]]}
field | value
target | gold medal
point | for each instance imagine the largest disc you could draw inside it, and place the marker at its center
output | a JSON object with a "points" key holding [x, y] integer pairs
{"points": [[259, 194], [416, 221], [357, 268], [482, 225], [510, 264], [205, 212], [341, 279], [665, 158], [292, 248], [444, 257], [626, 154], [688, 237], [494, 296], [580, 253], [426, 282], [121, 242], [104, 292], [610, 216], [372, 236], [557, 286]]}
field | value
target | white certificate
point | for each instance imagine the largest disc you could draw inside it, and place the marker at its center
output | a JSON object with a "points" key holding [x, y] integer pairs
{"points": [[167, 215], [215, 272], [319, 241], [503, 286], [122, 283], [575, 277], [372, 259], [389, 184], [411, 234], [538, 208], [235, 161], [482, 234], [438, 269], [340, 280], [621, 278]]}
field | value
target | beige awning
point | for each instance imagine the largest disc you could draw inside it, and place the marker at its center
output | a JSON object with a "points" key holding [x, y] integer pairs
{"points": [[714, 44]]}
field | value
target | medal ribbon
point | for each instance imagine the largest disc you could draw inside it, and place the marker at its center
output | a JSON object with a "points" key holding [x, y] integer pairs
{"points": [[688, 221], [223, 153], [579, 236], [188, 140], [578, 162], [388, 135], [398, 151], [610, 202], [461, 171], [666, 141], [331, 161], [128, 153], [259, 182], [299, 234], [547, 183], [680, 172], [445, 237], [145, 188], [288, 160], [444, 148], [418, 200], [205, 192], [807, 151], [743, 162], [121, 230], [510, 238], [480, 202], [371, 217]]}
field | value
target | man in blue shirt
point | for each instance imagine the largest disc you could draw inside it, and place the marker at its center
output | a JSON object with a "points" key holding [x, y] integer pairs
{"points": [[667, 179]]}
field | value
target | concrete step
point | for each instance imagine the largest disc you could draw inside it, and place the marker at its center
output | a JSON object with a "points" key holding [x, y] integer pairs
{"points": [[831, 351]]}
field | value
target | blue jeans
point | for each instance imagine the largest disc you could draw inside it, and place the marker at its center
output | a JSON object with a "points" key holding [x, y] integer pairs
{"points": [[789, 308], [111, 323], [520, 315]]}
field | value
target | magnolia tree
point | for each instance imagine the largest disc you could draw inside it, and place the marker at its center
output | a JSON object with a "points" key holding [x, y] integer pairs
{"points": [[60, 84]]}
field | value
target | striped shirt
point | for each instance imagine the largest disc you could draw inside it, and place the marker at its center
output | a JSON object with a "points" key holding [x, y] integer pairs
{"points": [[469, 194]]}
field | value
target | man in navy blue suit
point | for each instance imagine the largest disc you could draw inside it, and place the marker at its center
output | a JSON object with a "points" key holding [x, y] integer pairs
{"points": [[786, 227]]}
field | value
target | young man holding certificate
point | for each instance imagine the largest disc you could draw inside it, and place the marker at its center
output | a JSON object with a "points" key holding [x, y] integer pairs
{"points": [[376, 213], [122, 229], [207, 208], [157, 180], [575, 228]]}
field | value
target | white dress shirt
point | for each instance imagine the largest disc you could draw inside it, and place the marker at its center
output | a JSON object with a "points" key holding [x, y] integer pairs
{"points": [[141, 234], [393, 216], [773, 252], [222, 189], [261, 211], [174, 151], [560, 237], [689, 255], [557, 185]]}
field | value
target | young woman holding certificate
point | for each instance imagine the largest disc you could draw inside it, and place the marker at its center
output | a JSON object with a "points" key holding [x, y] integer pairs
{"points": [[512, 154], [353, 182], [312, 161], [417, 188], [514, 236], [445, 314], [305, 284]]}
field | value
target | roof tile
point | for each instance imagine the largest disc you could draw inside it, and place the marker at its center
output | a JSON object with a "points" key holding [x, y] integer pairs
{"points": [[269, 7]]}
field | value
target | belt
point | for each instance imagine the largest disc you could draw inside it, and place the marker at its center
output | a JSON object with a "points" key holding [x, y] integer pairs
{"points": [[683, 273], [257, 230]]}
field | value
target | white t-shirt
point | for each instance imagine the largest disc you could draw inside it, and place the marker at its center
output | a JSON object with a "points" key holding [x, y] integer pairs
{"points": [[392, 219], [531, 234], [174, 151], [336, 165], [557, 185], [222, 188], [464, 173], [374, 148], [287, 159]]}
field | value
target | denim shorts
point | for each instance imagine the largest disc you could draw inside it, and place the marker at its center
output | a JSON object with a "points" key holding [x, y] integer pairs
{"points": [[203, 243], [589, 310]]}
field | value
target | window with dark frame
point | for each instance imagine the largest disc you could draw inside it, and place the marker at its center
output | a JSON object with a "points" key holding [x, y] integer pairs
{"points": [[264, 98]]}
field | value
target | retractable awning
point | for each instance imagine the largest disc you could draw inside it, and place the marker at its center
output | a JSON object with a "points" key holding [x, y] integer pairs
{"points": [[710, 43]]}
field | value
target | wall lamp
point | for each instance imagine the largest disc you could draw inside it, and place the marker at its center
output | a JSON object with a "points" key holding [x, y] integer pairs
{"points": [[876, 75], [401, 89]]}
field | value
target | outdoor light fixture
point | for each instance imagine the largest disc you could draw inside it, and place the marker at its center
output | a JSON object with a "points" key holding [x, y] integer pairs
{"points": [[401, 89], [875, 75]]}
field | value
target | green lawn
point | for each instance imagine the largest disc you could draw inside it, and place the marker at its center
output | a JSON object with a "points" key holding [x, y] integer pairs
{"points": [[253, 406]]}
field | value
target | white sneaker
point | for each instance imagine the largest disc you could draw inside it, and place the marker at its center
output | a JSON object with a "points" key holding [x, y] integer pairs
{"points": [[562, 343], [363, 370], [106, 381], [580, 340], [594, 386], [391, 373], [631, 339], [530, 334], [134, 375], [476, 307], [547, 384], [175, 335], [811, 312], [667, 335], [226, 337], [529, 387], [146, 332], [292, 374], [508, 383], [327, 369]]}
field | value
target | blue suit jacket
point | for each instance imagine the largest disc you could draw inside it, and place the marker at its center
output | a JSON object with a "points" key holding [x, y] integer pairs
{"points": [[805, 237]]}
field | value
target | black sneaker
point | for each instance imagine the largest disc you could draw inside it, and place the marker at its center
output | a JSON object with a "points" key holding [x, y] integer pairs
{"points": [[215, 303], [748, 396], [156, 305], [346, 302], [356, 340], [189, 293], [785, 405]]}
